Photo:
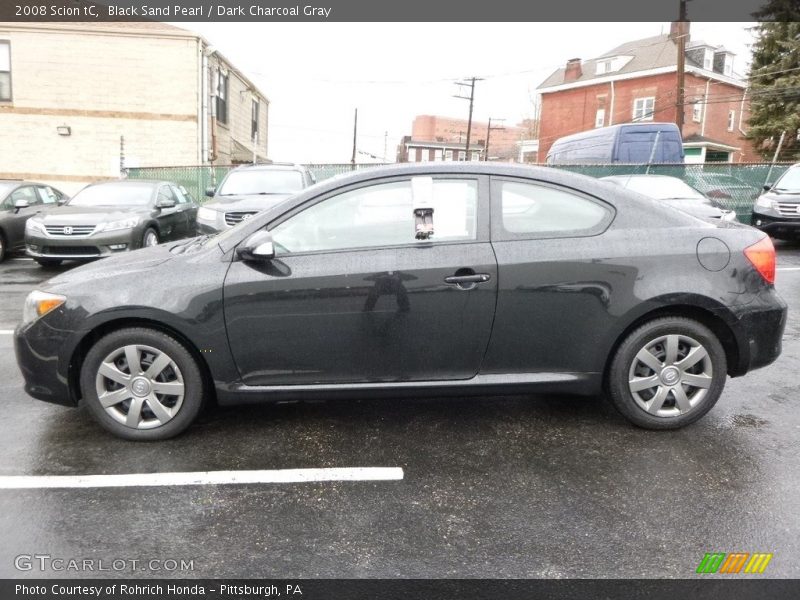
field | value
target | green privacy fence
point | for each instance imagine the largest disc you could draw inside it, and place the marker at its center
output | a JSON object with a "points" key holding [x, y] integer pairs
{"points": [[733, 185]]}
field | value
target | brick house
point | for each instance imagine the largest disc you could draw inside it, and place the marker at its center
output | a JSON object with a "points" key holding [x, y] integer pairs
{"points": [[435, 137], [78, 99], [637, 81]]}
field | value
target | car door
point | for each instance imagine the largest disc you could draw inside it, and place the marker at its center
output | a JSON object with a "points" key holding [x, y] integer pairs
{"points": [[16, 218], [170, 220], [187, 212], [352, 296], [555, 294]]}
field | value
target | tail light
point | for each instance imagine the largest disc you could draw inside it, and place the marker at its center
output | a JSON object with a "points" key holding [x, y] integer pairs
{"points": [[719, 194], [762, 256]]}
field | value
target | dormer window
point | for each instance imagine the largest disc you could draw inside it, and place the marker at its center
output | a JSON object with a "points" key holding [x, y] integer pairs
{"points": [[604, 66], [708, 59], [611, 65], [727, 66]]}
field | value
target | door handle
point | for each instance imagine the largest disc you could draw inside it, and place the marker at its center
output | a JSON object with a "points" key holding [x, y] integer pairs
{"points": [[473, 278]]}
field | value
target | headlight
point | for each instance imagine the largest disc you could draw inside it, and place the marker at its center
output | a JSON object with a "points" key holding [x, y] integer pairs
{"points": [[38, 304], [129, 223], [729, 215], [764, 202], [206, 214], [32, 226]]}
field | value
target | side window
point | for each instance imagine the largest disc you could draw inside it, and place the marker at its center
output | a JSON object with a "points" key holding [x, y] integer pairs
{"points": [[180, 198], [541, 211], [382, 215], [27, 193], [47, 194], [165, 193]]}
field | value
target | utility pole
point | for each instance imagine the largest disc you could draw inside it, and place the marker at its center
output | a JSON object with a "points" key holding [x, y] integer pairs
{"points": [[679, 92], [488, 133], [355, 135], [471, 83]]}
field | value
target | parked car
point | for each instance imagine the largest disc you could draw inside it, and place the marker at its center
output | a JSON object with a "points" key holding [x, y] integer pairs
{"points": [[534, 280], [111, 217], [249, 189], [626, 143], [777, 210], [19, 201], [674, 192], [721, 187]]}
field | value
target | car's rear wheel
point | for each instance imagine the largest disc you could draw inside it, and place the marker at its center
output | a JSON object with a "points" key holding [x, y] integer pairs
{"points": [[142, 384], [2, 247], [667, 373], [150, 238], [48, 262]]}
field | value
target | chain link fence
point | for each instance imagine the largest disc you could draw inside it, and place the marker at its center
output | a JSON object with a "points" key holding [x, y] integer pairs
{"points": [[733, 185]]}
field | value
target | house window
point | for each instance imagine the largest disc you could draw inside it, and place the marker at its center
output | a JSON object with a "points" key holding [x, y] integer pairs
{"points": [[727, 68], [425, 155], [731, 119], [222, 97], [643, 109], [476, 156], [412, 154], [462, 155], [600, 117], [708, 59], [603, 66], [254, 121], [5, 70], [697, 112], [437, 155], [448, 155]]}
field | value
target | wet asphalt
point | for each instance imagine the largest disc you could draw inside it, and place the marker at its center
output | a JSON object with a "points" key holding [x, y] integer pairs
{"points": [[493, 487]]}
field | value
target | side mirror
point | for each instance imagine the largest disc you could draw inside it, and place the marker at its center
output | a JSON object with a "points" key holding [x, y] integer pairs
{"points": [[210, 191], [165, 203], [258, 247], [767, 187], [62, 201], [20, 204]]}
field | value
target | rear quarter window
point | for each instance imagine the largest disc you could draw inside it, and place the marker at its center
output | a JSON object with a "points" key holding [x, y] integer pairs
{"points": [[536, 210]]}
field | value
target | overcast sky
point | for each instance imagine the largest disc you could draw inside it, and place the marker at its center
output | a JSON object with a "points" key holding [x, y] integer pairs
{"points": [[315, 74]]}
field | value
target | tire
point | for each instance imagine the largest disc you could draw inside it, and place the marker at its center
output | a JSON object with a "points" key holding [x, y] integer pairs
{"points": [[2, 247], [150, 238], [159, 415], [662, 405], [48, 262]]}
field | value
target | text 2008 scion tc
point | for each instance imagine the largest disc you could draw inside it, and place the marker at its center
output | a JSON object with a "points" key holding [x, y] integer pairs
{"points": [[534, 280]]}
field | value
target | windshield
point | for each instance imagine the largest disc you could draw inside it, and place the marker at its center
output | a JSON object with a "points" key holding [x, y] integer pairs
{"points": [[5, 188], [661, 188], [790, 180], [261, 181], [114, 194]]}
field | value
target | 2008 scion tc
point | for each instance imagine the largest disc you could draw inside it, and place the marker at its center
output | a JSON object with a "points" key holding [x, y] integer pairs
{"points": [[534, 280]]}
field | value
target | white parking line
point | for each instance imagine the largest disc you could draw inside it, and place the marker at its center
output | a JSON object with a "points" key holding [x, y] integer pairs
{"points": [[18, 482], [6, 332], [788, 269]]}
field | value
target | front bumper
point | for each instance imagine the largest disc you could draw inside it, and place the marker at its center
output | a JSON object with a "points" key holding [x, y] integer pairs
{"points": [[776, 226], [81, 247], [42, 355]]}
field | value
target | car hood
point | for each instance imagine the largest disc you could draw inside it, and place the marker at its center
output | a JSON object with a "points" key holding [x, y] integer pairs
{"points": [[696, 208], [88, 215], [792, 196], [256, 202], [126, 264]]}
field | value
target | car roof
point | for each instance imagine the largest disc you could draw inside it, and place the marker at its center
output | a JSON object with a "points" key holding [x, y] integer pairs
{"points": [[632, 175], [271, 167]]}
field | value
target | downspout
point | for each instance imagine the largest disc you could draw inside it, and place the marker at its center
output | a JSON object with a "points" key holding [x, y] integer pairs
{"points": [[705, 109], [611, 107], [741, 118]]}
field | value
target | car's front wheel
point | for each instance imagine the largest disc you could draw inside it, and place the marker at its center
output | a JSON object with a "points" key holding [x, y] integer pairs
{"points": [[142, 384], [150, 238], [667, 373]]}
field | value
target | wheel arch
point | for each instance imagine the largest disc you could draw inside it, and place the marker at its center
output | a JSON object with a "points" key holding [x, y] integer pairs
{"points": [[716, 323], [79, 353]]}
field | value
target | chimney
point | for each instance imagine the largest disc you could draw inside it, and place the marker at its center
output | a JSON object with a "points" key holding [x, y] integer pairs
{"points": [[573, 71], [678, 28]]}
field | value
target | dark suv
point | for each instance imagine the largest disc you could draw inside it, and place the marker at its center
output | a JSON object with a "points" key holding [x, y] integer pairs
{"points": [[19, 201], [250, 189], [777, 210]]}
